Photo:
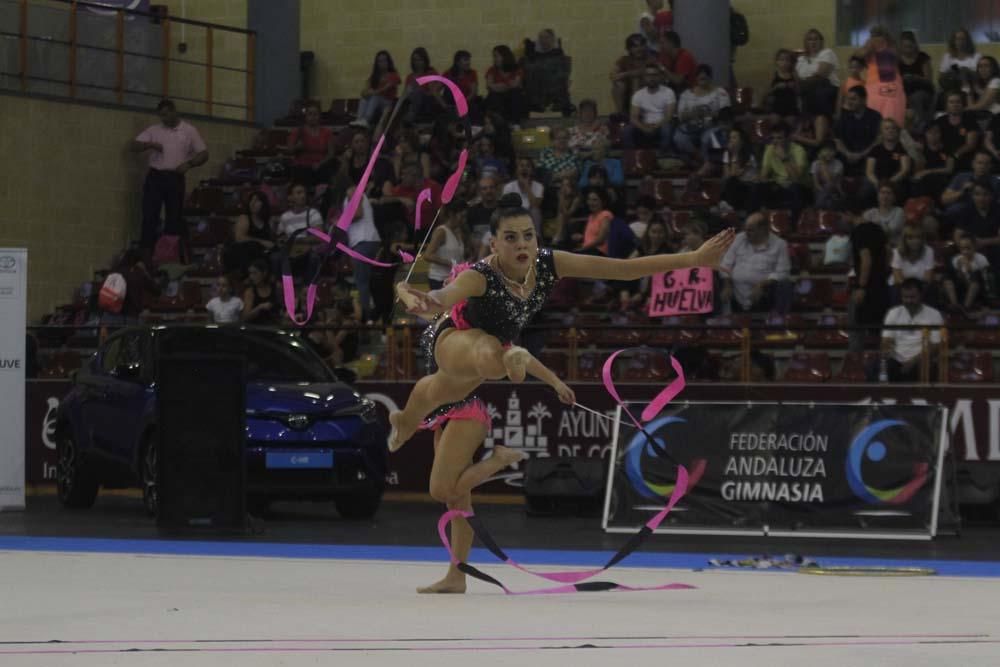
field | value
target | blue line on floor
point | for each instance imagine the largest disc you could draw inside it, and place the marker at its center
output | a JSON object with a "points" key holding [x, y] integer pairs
{"points": [[684, 561]]}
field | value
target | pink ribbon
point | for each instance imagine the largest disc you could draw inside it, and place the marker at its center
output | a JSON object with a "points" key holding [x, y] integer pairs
{"points": [[425, 195], [658, 403], [461, 104]]}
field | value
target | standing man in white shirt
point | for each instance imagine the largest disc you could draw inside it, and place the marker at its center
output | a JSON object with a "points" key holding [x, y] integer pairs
{"points": [[174, 147], [651, 124], [901, 348]]}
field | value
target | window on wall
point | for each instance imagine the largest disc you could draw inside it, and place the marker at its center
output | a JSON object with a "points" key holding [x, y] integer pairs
{"points": [[932, 20]]}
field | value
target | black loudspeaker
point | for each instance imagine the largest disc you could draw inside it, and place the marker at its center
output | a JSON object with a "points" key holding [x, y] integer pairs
{"points": [[201, 468], [564, 484]]}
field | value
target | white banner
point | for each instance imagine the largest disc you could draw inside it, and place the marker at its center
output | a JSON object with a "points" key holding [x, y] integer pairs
{"points": [[13, 314]]}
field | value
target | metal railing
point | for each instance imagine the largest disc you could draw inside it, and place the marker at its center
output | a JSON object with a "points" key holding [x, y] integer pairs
{"points": [[396, 358], [92, 52]]}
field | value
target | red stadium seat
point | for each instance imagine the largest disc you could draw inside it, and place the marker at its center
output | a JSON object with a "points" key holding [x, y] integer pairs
{"points": [[742, 99], [968, 366], [988, 335], [808, 367], [211, 231], [813, 293], [780, 221], [729, 332], [779, 337], [639, 163], [800, 257], [663, 192], [856, 365], [831, 334], [678, 220]]}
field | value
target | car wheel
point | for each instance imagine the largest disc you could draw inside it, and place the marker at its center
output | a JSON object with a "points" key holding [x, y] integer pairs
{"points": [[359, 506], [150, 492], [76, 486]]}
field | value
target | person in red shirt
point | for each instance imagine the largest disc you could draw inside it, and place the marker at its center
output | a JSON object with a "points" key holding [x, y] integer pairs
{"points": [[381, 92], [505, 81], [411, 182], [679, 62], [425, 101], [467, 79], [313, 146]]}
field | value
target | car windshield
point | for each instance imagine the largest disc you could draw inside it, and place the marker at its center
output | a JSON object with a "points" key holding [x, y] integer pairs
{"points": [[272, 356]]}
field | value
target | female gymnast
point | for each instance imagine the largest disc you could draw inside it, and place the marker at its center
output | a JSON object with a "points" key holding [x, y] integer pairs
{"points": [[489, 304]]}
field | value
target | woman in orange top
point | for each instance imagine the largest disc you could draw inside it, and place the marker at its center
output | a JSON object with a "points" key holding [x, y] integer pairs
{"points": [[382, 90], [505, 81], [595, 235], [883, 81]]}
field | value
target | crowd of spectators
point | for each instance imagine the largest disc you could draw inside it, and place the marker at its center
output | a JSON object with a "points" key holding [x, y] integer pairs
{"points": [[907, 162]]}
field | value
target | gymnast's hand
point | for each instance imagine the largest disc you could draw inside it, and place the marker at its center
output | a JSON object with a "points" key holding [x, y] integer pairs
{"points": [[418, 303], [566, 395], [713, 250]]}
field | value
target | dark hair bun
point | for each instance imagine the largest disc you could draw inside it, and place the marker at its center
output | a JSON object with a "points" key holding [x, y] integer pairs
{"points": [[510, 200]]}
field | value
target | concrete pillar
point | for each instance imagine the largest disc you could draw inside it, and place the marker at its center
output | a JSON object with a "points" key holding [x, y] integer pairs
{"points": [[278, 80], [704, 29]]}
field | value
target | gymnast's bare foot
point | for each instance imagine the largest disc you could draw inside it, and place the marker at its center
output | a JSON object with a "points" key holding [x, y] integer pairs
{"points": [[515, 360], [454, 584], [508, 456], [400, 432]]}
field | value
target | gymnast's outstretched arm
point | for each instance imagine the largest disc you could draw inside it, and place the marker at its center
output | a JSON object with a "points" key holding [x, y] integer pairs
{"points": [[710, 254], [467, 284]]}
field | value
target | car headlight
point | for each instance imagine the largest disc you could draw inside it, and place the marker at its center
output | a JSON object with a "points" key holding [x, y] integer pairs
{"points": [[365, 409]]}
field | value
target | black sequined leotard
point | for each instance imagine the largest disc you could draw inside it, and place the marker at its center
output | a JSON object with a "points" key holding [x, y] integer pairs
{"points": [[497, 312]]}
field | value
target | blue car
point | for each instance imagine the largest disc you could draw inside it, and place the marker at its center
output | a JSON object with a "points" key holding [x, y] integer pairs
{"points": [[308, 435]]}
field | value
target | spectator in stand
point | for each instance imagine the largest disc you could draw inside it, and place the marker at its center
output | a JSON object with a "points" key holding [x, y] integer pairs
{"points": [[409, 150], [959, 191], [958, 64], [337, 346], [869, 280], [353, 164], [598, 229], [699, 114], [856, 75], [312, 146], [253, 235], [505, 82], [628, 74], [566, 236], [486, 160], [885, 85], [887, 215], [480, 213], [411, 182], [467, 80], [382, 90], [934, 167], [828, 177], [588, 129], [959, 130], [498, 129], [645, 213], [652, 113], [175, 147], [986, 85], [782, 101], [816, 69], [756, 270], [558, 160], [299, 214], [856, 131], [918, 79], [740, 173], [364, 239], [813, 132], [140, 287], [981, 220], [967, 277], [902, 348], [657, 19], [425, 101], [837, 249], [597, 177], [655, 240], [224, 307], [261, 304], [990, 143], [681, 67], [449, 245], [547, 70], [530, 190], [913, 258], [446, 146], [612, 166], [783, 171], [887, 163]]}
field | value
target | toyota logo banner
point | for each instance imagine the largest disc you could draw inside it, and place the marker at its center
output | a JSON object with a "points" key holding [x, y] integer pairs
{"points": [[13, 313]]}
